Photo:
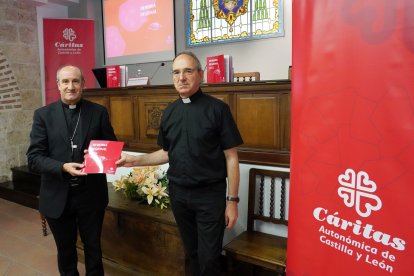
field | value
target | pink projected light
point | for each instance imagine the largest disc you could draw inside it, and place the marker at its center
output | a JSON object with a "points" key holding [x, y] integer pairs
{"points": [[117, 47], [139, 27]]}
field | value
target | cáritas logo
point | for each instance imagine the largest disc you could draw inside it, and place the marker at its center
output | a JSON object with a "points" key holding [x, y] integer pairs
{"points": [[69, 34], [68, 46], [357, 190]]}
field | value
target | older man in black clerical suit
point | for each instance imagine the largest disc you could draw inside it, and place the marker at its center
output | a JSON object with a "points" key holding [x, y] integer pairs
{"points": [[198, 138], [69, 199]]}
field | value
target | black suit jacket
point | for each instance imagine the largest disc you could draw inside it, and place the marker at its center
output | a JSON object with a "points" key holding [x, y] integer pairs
{"points": [[50, 148]]}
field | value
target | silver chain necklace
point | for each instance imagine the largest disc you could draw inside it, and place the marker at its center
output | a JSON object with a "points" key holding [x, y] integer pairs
{"points": [[72, 146]]}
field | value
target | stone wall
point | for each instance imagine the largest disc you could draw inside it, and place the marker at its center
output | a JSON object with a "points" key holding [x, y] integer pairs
{"points": [[20, 86]]}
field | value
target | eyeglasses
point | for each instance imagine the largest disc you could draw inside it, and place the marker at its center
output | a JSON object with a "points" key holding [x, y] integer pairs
{"points": [[186, 72]]}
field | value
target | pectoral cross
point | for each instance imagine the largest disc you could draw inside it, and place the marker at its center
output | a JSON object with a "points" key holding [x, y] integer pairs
{"points": [[73, 146]]}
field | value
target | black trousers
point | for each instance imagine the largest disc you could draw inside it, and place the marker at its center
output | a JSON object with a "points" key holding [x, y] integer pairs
{"points": [[78, 215], [199, 213]]}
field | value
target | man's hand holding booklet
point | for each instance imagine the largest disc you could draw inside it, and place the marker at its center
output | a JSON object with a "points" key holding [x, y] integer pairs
{"points": [[102, 156]]}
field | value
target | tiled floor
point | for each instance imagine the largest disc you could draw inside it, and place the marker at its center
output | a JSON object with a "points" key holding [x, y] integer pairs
{"points": [[23, 248], [24, 251]]}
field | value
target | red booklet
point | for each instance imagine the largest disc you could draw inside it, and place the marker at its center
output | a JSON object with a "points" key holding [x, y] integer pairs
{"points": [[216, 69], [113, 76], [102, 156]]}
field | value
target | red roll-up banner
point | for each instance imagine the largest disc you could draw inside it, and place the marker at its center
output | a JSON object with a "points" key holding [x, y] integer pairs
{"points": [[352, 160], [67, 41]]}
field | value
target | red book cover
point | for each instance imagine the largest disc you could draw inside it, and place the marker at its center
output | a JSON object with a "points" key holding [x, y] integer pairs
{"points": [[216, 70], [102, 156], [113, 76]]}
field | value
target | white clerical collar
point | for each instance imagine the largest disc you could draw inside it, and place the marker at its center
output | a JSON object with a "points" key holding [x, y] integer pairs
{"points": [[186, 100], [72, 106]]}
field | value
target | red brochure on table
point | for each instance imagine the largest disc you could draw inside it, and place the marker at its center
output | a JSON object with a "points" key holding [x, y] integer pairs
{"points": [[102, 156]]}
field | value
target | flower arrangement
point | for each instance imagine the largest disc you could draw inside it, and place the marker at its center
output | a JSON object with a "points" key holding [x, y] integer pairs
{"points": [[145, 183]]}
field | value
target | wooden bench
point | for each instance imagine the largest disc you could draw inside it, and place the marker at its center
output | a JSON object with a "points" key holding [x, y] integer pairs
{"points": [[254, 247]]}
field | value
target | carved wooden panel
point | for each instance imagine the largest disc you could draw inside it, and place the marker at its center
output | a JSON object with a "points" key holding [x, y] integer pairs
{"points": [[150, 113]]}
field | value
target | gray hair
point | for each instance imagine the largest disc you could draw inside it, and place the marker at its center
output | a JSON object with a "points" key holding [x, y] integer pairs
{"points": [[191, 54]]}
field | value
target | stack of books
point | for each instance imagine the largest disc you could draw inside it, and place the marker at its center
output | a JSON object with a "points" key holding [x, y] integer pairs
{"points": [[116, 76], [219, 69]]}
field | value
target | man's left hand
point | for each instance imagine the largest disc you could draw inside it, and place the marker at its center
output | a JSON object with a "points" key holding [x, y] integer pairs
{"points": [[74, 169], [231, 214]]}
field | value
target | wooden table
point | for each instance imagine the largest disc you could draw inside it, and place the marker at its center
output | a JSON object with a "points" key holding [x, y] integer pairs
{"points": [[139, 240]]}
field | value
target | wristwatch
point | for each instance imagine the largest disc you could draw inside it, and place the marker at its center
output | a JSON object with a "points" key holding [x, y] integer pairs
{"points": [[233, 198]]}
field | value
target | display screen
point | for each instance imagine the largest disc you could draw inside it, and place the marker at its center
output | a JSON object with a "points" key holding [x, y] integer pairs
{"points": [[138, 31]]}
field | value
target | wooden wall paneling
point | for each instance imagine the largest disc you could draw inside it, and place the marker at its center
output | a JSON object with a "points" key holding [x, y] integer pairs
{"points": [[225, 98], [258, 120], [260, 109], [102, 100], [122, 110], [284, 121]]}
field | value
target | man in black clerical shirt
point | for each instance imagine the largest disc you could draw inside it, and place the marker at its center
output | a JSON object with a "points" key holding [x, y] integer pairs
{"points": [[69, 199], [198, 137]]}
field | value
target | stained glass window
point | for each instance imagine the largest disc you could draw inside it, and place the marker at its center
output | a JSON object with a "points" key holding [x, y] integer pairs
{"points": [[215, 21]]}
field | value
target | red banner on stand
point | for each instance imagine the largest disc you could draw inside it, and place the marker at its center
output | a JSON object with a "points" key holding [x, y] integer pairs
{"points": [[352, 164], [67, 41]]}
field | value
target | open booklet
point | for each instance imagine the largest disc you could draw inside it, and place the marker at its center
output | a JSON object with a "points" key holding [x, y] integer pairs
{"points": [[102, 156]]}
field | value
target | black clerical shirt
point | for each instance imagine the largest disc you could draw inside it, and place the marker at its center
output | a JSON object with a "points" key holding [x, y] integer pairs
{"points": [[195, 135]]}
